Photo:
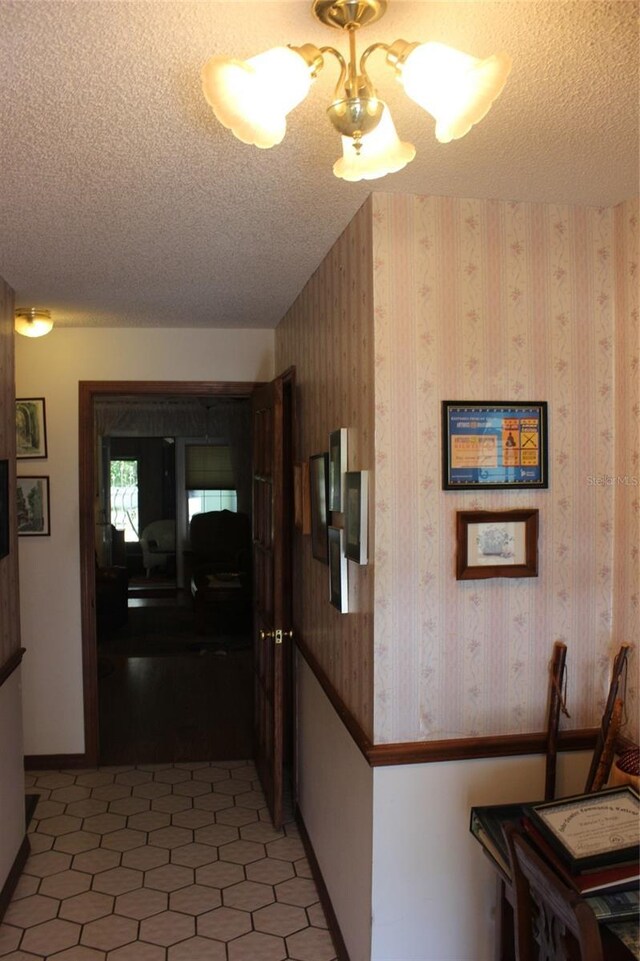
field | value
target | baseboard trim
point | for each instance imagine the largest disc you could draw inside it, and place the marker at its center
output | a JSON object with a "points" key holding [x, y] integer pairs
{"points": [[13, 877], [454, 749], [54, 762], [325, 899]]}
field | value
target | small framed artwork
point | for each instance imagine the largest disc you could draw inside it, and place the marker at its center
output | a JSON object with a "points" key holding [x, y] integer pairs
{"points": [[337, 467], [302, 507], [494, 445], [33, 506], [31, 427], [338, 575], [4, 508], [496, 544], [319, 491], [356, 515]]}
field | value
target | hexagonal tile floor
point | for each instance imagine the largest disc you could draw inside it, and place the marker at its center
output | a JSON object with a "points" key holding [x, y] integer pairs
{"points": [[162, 862]]}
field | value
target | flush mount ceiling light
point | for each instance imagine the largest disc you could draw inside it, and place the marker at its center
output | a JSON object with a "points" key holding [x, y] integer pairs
{"points": [[33, 322], [252, 98]]}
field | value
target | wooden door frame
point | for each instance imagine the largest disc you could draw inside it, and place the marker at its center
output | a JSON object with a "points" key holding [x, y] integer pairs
{"points": [[89, 391]]}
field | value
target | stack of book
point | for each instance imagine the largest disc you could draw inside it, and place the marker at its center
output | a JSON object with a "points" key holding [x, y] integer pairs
{"points": [[590, 840]]}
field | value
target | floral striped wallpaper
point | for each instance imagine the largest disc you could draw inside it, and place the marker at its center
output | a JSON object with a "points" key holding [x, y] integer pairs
{"points": [[487, 300], [328, 335], [430, 298], [626, 608]]}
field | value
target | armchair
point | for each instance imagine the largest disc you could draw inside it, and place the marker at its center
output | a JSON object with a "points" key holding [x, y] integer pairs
{"points": [[158, 543]]}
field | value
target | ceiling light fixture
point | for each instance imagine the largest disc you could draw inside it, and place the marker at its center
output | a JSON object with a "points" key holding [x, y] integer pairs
{"points": [[252, 98], [33, 322]]}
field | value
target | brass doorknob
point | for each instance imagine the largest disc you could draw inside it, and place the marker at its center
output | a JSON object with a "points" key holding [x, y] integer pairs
{"points": [[277, 634]]}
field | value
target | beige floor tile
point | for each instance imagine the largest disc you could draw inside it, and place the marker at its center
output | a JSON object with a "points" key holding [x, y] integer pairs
{"points": [[300, 891], [30, 911], [197, 949], [269, 871], [86, 907], [66, 884], [169, 877], [267, 947], [162, 863], [196, 899], [224, 924], [117, 881], [50, 937], [109, 933], [312, 944], [141, 904], [145, 858], [167, 928], [281, 919]]}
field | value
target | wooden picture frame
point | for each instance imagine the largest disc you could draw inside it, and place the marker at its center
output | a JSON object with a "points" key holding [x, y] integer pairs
{"points": [[33, 506], [496, 544], [302, 506], [31, 428], [337, 468], [356, 515], [338, 574], [319, 491], [496, 444], [4, 508]]}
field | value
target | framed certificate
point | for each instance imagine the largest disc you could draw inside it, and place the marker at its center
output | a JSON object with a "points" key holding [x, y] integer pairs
{"points": [[494, 444], [592, 830]]}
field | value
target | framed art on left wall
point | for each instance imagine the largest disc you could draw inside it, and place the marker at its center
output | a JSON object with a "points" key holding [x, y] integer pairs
{"points": [[31, 428], [33, 506]]}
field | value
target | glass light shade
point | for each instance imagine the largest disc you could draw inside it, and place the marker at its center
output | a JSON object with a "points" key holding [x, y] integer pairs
{"points": [[455, 88], [32, 323], [381, 152], [253, 97]]}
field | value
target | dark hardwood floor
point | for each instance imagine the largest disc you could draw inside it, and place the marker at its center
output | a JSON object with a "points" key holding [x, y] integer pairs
{"points": [[167, 697]]}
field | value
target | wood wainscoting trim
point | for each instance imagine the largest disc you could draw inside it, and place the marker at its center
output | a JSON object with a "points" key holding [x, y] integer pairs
{"points": [[455, 749], [9, 886], [13, 661], [332, 921]]}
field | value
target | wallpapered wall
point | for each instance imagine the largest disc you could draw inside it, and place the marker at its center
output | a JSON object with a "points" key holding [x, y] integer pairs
{"points": [[328, 335], [626, 609], [487, 300], [473, 300]]}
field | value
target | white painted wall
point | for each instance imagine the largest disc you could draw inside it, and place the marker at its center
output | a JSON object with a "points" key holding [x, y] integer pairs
{"points": [[51, 367], [434, 891], [335, 794], [11, 774]]}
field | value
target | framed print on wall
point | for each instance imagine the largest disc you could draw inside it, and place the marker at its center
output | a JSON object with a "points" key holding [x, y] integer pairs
{"points": [[356, 515], [31, 428], [301, 506], [337, 467], [338, 575], [33, 506], [494, 444], [496, 544], [319, 489]]}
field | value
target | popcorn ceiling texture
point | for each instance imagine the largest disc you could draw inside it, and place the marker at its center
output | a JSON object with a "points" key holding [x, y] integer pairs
{"points": [[127, 204]]}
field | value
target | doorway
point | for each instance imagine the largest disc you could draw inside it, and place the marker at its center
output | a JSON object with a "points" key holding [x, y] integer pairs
{"points": [[192, 697]]}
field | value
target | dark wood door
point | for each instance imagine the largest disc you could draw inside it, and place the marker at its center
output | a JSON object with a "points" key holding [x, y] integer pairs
{"points": [[272, 579]]}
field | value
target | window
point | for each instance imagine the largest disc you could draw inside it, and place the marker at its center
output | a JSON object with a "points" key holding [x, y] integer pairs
{"points": [[201, 501], [209, 479], [123, 476]]}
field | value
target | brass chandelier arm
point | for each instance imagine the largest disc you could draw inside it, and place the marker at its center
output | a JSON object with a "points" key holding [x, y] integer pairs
{"points": [[343, 68]]}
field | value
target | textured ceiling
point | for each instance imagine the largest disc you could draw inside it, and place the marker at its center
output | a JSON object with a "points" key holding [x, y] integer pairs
{"points": [[124, 203]]}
